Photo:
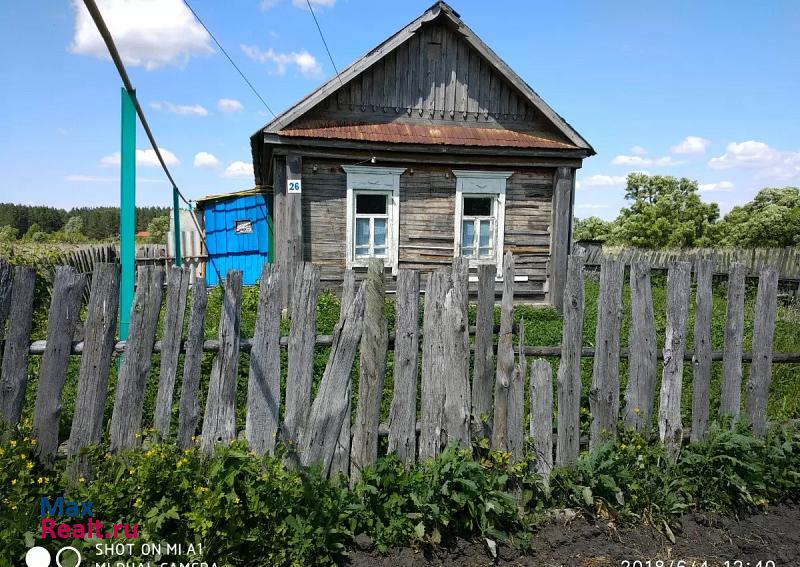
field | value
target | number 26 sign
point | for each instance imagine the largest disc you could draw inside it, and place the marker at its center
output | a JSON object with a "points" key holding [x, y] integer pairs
{"points": [[294, 186]]}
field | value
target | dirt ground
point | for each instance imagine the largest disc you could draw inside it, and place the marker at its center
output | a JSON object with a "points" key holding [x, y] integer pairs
{"points": [[773, 535]]}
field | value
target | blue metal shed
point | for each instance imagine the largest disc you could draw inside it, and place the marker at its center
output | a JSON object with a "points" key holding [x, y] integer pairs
{"points": [[238, 231]]}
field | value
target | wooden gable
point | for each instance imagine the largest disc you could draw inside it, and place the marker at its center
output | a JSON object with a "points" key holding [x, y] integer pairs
{"points": [[434, 71]]}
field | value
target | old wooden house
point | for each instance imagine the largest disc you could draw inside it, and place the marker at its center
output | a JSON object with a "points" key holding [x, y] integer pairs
{"points": [[426, 148]]}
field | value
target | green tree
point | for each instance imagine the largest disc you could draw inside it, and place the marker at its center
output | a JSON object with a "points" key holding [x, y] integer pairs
{"points": [[35, 233], [771, 219], [8, 233], [158, 229], [665, 212], [592, 228]]}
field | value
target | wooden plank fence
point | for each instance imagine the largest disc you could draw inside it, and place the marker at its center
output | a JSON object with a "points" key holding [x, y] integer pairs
{"points": [[461, 397]]}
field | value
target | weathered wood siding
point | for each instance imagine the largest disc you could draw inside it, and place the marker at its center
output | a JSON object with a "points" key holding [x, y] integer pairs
{"points": [[427, 220]]}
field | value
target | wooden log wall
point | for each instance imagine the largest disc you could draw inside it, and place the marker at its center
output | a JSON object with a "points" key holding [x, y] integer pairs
{"points": [[319, 426]]}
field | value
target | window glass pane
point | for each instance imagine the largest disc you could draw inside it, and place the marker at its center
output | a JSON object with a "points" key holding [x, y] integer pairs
{"points": [[380, 251], [371, 204], [380, 232], [486, 252], [466, 251], [468, 233], [362, 232], [477, 206], [486, 233], [362, 250]]}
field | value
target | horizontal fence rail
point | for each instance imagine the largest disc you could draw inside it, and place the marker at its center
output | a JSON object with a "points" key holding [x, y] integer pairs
{"points": [[471, 382]]}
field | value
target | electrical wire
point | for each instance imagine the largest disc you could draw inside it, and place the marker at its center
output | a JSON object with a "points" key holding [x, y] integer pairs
{"points": [[94, 11], [325, 43]]}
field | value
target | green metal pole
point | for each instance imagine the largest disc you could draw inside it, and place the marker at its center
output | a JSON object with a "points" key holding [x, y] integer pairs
{"points": [[127, 210], [176, 227]]}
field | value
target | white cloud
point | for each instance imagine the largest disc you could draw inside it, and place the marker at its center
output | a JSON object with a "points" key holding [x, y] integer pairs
{"points": [[146, 158], [229, 105], [638, 150], [306, 63], [314, 3], [640, 161], [267, 4], [721, 186], [148, 33], [602, 180], [187, 109], [205, 160], [691, 145], [592, 206], [239, 169], [770, 163]]}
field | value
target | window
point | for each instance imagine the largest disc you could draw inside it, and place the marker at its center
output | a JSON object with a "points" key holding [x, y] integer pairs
{"points": [[243, 227], [373, 203], [480, 216]]}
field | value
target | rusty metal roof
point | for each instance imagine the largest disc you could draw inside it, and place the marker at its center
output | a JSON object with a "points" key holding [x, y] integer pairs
{"points": [[424, 134]]}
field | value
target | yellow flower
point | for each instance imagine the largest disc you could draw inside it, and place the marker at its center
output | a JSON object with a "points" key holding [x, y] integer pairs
{"points": [[2, 452], [13, 443], [33, 441], [637, 410], [29, 465], [13, 481], [81, 479], [40, 480], [623, 446]]}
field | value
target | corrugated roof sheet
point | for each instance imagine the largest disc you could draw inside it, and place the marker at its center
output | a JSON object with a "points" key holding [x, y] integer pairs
{"points": [[424, 134]]}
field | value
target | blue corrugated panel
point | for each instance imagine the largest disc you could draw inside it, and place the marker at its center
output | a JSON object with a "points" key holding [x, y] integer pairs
{"points": [[232, 250]]}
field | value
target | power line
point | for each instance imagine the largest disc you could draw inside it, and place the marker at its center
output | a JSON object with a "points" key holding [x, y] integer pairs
{"points": [[249, 84], [325, 43]]}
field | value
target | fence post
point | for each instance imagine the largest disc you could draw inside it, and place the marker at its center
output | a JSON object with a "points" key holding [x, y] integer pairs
{"points": [[456, 378], [302, 336], [640, 393], [374, 345], [516, 401], [189, 413], [541, 426], [177, 287], [264, 380], [62, 319], [569, 368], [6, 277], [219, 420], [126, 420], [730, 399], [483, 370], [604, 395], [701, 360], [330, 408], [98, 348], [14, 372], [505, 358], [763, 335], [341, 454], [403, 414], [433, 364], [670, 429]]}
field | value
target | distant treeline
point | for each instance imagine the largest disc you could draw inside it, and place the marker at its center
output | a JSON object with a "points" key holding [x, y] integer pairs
{"points": [[97, 223]]}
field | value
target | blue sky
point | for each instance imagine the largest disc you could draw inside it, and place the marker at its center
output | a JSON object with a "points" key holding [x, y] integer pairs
{"points": [[706, 90]]}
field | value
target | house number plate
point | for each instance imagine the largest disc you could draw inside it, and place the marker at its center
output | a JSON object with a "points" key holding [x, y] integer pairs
{"points": [[294, 186]]}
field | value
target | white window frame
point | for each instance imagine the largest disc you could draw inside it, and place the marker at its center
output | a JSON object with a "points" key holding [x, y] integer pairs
{"points": [[366, 179], [483, 184]]}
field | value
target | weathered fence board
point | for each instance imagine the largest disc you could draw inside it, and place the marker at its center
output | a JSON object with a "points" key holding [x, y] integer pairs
{"points": [[189, 413], [541, 423], [62, 320], [403, 413], [374, 347], [516, 401], [330, 407], [341, 454], [6, 277], [101, 328], [569, 368], [433, 364], [301, 351], [701, 360], [604, 395], [641, 389], [763, 335], [505, 359], [219, 420], [730, 399], [14, 372], [670, 428], [456, 379], [126, 420], [483, 368], [264, 380], [177, 287]]}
